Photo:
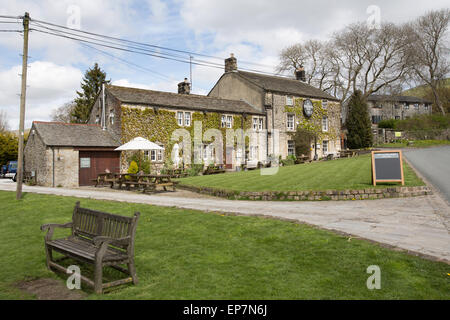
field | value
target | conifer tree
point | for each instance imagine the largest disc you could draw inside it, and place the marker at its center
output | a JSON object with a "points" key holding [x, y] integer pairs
{"points": [[90, 85], [358, 123]]}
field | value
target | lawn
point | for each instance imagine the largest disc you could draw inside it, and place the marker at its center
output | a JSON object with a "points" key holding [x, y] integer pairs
{"points": [[341, 174], [415, 144], [186, 254]]}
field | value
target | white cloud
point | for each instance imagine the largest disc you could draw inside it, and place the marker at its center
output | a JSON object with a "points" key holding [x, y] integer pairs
{"points": [[168, 86], [48, 87]]}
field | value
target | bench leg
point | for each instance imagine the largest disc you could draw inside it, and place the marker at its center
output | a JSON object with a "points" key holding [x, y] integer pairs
{"points": [[49, 255], [98, 275], [132, 271]]}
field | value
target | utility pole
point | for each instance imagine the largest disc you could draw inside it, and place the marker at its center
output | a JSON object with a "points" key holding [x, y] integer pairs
{"points": [[26, 23]]}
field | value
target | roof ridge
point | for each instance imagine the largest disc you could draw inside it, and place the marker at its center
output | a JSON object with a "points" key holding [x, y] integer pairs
{"points": [[190, 95], [66, 123]]}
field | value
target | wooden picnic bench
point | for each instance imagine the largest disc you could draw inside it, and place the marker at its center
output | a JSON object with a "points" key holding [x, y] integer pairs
{"points": [[98, 238], [105, 178], [214, 169]]}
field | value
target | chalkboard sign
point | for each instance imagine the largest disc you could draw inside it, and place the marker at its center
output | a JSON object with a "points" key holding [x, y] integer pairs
{"points": [[387, 166]]}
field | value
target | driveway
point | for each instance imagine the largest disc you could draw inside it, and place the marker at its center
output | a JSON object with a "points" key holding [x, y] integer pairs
{"points": [[419, 225], [434, 165]]}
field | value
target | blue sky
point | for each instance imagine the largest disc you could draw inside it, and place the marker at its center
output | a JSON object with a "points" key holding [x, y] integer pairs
{"points": [[255, 31]]}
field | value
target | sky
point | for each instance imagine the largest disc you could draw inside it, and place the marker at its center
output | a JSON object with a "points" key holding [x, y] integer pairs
{"points": [[254, 30]]}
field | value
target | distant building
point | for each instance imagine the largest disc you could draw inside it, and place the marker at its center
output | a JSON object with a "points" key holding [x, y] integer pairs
{"points": [[383, 107]]}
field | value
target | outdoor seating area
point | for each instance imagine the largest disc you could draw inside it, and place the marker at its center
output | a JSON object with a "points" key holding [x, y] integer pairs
{"points": [[214, 169], [139, 181]]}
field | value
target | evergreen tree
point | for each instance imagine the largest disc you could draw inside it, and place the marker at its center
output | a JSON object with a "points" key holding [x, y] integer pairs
{"points": [[90, 85], [358, 123]]}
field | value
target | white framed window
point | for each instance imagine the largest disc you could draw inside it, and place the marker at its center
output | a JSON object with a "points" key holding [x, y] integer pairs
{"points": [[180, 118], [255, 124], [224, 121], [261, 123], [111, 117], [325, 146], [289, 101], [229, 121], [325, 124], [426, 107], [324, 104], [159, 155], [291, 147], [187, 119], [290, 122], [416, 106], [406, 106], [153, 155]]}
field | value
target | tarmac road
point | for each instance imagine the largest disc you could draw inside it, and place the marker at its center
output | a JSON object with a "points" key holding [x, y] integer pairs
{"points": [[434, 164]]}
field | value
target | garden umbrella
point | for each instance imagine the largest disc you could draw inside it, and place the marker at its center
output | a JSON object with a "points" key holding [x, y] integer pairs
{"points": [[139, 143]]}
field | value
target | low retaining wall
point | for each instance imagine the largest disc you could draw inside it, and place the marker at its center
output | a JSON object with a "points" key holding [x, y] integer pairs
{"points": [[370, 193]]}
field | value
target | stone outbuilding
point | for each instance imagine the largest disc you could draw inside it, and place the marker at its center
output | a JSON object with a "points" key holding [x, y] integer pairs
{"points": [[69, 155]]}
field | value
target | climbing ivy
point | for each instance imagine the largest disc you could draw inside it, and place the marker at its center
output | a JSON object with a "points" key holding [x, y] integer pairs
{"points": [[313, 124]]}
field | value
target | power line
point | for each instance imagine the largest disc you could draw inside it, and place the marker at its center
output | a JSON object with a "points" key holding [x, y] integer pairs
{"points": [[144, 44], [20, 31]]}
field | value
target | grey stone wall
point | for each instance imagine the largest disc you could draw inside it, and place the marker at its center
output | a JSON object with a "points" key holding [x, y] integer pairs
{"points": [[35, 159], [112, 106]]}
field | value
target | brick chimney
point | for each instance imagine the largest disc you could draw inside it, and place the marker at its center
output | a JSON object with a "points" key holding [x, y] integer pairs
{"points": [[300, 74], [231, 63], [184, 87]]}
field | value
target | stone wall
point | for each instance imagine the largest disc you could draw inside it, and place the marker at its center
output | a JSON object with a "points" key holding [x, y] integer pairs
{"points": [[66, 166], [369, 193], [35, 159], [382, 135]]}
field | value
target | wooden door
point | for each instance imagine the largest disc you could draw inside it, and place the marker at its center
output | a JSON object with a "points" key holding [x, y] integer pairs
{"points": [[91, 163]]}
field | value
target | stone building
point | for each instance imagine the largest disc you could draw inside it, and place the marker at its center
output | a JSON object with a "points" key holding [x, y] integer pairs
{"points": [[156, 115], [69, 155], [383, 107], [283, 101]]}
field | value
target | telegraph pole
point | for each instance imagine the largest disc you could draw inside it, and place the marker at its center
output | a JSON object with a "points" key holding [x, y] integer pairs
{"points": [[26, 24]]}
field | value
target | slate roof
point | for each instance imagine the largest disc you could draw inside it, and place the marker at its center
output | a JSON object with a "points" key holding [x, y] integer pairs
{"points": [[59, 134], [285, 85], [394, 98], [182, 101]]}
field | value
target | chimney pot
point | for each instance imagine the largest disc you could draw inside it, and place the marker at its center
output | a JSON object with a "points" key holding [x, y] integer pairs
{"points": [[184, 87], [231, 63], [300, 74]]}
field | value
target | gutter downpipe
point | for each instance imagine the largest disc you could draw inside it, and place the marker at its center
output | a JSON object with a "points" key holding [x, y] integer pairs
{"points": [[103, 107], [53, 167]]}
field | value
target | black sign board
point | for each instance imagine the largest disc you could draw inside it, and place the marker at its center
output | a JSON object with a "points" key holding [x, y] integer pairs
{"points": [[387, 166]]}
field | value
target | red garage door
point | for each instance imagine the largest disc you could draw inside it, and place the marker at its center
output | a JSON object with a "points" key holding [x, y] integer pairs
{"points": [[91, 163]]}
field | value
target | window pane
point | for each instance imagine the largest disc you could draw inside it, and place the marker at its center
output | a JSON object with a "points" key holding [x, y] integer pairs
{"points": [[180, 118], [187, 119]]}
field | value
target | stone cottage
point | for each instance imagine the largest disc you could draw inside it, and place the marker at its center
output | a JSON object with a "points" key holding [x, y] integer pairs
{"points": [[69, 155], [156, 115], [287, 104]]}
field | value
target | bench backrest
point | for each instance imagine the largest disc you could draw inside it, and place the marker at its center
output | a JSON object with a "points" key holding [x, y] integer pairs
{"points": [[90, 223]]}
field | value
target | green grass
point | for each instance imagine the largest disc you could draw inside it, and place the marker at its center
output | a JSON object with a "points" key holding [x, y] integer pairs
{"points": [[186, 254], [341, 174], [415, 144]]}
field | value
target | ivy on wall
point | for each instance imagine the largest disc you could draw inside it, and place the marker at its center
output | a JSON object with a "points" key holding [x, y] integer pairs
{"points": [[313, 124], [158, 125]]}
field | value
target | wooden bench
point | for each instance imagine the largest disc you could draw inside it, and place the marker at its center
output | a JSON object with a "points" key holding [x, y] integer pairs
{"points": [[211, 169], [98, 238]]}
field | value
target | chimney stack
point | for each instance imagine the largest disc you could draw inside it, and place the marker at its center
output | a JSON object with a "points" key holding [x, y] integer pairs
{"points": [[231, 63], [184, 87], [300, 74]]}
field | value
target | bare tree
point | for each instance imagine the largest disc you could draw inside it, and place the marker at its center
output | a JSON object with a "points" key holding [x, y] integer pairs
{"points": [[64, 113], [429, 50], [3, 121]]}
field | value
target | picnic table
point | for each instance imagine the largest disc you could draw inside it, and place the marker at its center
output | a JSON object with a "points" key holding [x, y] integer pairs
{"points": [[146, 181], [105, 178], [214, 169]]}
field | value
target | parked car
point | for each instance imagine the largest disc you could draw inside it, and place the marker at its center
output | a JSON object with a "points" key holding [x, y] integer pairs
{"points": [[11, 170], [3, 171]]}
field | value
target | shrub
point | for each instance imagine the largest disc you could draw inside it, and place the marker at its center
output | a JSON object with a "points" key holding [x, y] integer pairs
{"points": [[195, 169], [387, 124], [289, 161], [133, 168]]}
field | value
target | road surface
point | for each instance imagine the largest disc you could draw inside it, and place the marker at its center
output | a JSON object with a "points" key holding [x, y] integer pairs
{"points": [[434, 165]]}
